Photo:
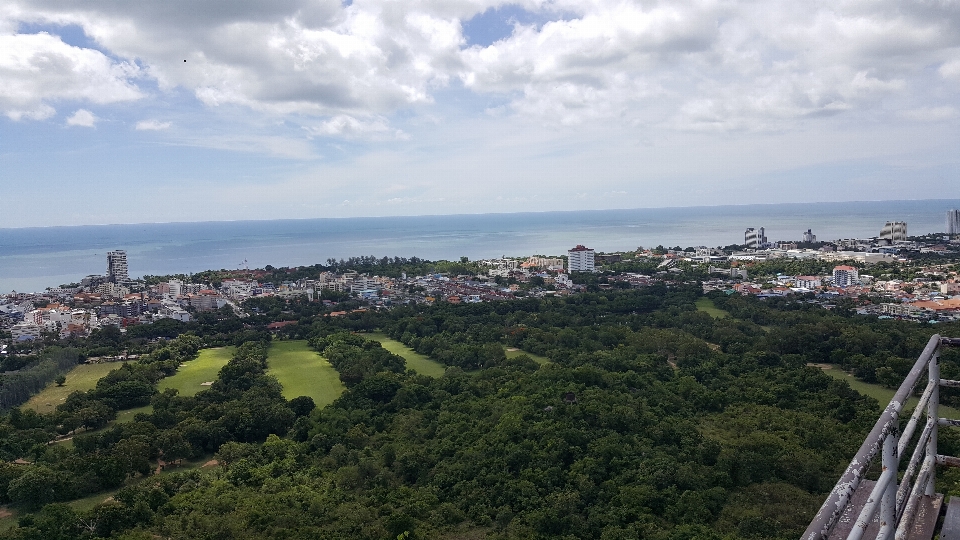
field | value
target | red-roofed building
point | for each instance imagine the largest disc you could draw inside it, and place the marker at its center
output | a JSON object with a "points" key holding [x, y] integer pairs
{"points": [[845, 276]]}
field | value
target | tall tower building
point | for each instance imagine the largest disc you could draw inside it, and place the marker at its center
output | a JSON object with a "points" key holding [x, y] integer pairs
{"points": [[754, 238], [845, 276], [117, 266], [580, 259], [894, 231], [953, 222]]}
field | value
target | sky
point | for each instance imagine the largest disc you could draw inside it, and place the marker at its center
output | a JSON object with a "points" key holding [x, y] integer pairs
{"points": [[177, 110]]}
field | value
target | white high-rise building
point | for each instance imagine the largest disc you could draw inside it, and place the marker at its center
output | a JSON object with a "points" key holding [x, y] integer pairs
{"points": [[953, 222], [580, 259], [894, 231], [175, 288], [117, 266], [845, 276], [809, 237], [754, 238]]}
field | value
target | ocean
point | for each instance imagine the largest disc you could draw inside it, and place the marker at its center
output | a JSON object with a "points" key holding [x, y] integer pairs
{"points": [[32, 259]]}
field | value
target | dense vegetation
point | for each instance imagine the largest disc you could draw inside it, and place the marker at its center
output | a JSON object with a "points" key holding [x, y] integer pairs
{"points": [[27, 374], [653, 420]]}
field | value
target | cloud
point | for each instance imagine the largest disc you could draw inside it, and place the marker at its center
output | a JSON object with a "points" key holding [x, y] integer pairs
{"points": [[37, 69], [726, 66], [83, 118], [152, 125], [350, 70], [348, 127]]}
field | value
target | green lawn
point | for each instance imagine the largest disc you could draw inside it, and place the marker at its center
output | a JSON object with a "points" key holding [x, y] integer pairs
{"points": [[882, 393], [535, 357], [191, 375], [127, 415], [303, 372], [707, 306], [83, 377], [420, 363], [189, 378]]}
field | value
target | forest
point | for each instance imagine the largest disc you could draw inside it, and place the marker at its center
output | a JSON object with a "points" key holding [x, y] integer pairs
{"points": [[652, 419]]}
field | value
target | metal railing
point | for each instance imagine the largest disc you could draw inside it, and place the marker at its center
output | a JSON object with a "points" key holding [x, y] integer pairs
{"points": [[896, 498]]}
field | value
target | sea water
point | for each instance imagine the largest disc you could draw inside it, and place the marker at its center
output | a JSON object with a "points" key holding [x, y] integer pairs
{"points": [[32, 259]]}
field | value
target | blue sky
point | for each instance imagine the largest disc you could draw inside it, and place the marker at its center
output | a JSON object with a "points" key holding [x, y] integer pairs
{"points": [[118, 112]]}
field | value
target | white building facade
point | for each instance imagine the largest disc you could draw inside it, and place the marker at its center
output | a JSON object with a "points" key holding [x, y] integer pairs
{"points": [[581, 259], [754, 238], [894, 231], [845, 276], [117, 266]]}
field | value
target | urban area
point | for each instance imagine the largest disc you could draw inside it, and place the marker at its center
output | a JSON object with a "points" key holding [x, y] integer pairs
{"points": [[892, 275]]}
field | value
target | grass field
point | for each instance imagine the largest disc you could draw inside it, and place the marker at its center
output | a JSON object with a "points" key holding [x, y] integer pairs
{"points": [[189, 378], [707, 306], [204, 368], [535, 357], [881, 393], [82, 377], [420, 363], [303, 372]]}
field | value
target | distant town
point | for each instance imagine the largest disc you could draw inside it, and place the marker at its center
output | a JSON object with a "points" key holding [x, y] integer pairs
{"points": [[891, 275]]}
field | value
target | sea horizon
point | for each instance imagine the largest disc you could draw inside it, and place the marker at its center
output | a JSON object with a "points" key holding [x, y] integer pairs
{"points": [[33, 258], [715, 206]]}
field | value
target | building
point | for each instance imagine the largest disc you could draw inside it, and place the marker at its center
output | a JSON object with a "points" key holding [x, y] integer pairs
{"points": [[953, 222], [207, 300], [92, 282], [580, 259], [117, 266], [845, 276], [25, 331], [754, 238], [238, 288], [609, 258], [899, 310], [363, 284], [174, 288], [809, 237], [807, 282], [733, 272], [112, 290], [550, 263], [894, 231]]}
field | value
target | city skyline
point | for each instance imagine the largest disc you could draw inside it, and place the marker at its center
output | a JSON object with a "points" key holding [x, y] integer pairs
{"points": [[330, 109]]}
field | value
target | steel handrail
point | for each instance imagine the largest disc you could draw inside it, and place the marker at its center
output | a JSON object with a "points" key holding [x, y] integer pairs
{"points": [[887, 425]]}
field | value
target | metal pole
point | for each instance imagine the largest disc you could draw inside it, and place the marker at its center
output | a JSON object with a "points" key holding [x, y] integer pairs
{"points": [[888, 504], [933, 411]]}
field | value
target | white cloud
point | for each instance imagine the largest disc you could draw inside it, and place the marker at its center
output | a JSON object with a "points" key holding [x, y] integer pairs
{"points": [[152, 125], [660, 102], [348, 127], [680, 64], [36, 69], [82, 118]]}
